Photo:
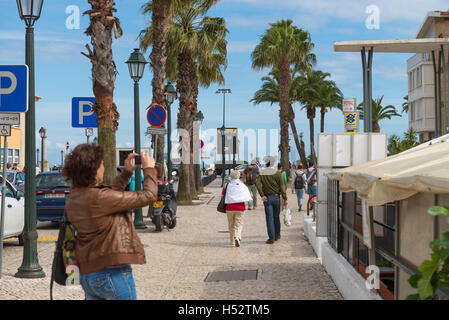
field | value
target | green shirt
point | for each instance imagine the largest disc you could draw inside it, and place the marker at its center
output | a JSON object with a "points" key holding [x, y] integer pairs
{"points": [[271, 181]]}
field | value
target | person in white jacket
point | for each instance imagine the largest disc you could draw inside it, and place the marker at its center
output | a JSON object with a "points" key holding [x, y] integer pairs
{"points": [[237, 194]]}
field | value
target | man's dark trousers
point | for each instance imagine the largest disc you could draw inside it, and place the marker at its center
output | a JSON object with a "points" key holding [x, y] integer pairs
{"points": [[272, 213]]}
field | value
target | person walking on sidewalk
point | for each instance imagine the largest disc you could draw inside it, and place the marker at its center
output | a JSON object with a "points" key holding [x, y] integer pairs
{"points": [[106, 240], [236, 196], [284, 180], [250, 179], [270, 185], [299, 185]]}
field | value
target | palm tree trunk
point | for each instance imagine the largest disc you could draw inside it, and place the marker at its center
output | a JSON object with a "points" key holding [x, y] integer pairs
{"points": [[311, 117], [158, 57], [186, 78], [323, 114], [376, 127], [102, 23], [301, 151], [284, 98]]}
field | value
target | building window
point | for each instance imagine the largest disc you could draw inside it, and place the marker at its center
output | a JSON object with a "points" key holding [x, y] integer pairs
{"points": [[16, 155], [412, 111], [10, 158]]}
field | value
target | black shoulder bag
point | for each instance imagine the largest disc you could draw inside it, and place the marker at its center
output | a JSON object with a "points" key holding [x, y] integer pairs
{"points": [[222, 206]]}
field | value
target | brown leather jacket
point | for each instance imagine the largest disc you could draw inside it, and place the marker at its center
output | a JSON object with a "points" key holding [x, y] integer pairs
{"points": [[105, 231]]}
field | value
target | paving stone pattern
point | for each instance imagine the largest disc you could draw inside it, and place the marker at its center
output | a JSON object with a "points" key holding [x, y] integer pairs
{"points": [[179, 260]]}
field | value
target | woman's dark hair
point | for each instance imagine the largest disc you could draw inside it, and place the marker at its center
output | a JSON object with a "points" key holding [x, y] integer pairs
{"points": [[81, 165]]}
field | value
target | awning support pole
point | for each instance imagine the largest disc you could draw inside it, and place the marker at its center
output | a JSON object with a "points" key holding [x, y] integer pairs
{"points": [[367, 89], [435, 76]]}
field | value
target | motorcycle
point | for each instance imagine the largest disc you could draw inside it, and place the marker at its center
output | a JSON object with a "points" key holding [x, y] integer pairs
{"points": [[164, 209]]}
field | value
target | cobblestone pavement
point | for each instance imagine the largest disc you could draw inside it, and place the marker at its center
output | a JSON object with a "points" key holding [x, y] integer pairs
{"points": [[179, 260]]}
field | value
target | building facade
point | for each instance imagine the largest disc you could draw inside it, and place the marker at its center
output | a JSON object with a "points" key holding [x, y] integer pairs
{"points": [[421, 79]]}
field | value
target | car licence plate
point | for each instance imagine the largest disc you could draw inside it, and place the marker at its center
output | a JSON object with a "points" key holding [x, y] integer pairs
{"points": [[55, 195], [158, 204]]}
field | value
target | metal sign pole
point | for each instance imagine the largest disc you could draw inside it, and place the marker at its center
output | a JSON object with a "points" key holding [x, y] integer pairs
{"points": [[2, 225]]}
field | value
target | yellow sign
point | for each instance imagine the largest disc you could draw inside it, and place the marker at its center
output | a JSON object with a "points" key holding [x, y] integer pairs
{"points": [[350, 130], [350, 119]]}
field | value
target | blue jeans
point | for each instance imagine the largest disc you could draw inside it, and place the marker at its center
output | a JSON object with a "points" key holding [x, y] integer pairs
{"points": [[272, 212], [116, 283], [311, 190], [300, 196]]}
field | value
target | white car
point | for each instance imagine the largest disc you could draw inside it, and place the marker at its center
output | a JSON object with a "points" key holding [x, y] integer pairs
{"points": [[14, 212]]}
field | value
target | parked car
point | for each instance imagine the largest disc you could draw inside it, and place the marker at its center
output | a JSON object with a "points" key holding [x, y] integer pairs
{"points": [[17, 178], [14, 212], [51, 192]]}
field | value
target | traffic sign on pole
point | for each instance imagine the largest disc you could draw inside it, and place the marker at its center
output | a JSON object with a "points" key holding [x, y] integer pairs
{"points": [[201, 144], [67, 145], [83, 115], [14, 88], [156, 115], [12, 119], [156, 131], [5, 130]]}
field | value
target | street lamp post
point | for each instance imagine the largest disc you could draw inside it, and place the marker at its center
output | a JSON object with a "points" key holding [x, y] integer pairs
{"points": [[170, 97], [136, 64], [30, 11], [198, 117], [43, 135], [223, 134], [62, 158], [37, 157]]}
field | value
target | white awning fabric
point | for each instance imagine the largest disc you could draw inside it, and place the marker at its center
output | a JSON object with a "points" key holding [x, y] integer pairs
{"points": [[398, 177]]}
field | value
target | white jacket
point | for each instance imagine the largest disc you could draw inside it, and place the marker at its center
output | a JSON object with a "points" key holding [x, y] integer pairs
{"points": [[237, 192]]}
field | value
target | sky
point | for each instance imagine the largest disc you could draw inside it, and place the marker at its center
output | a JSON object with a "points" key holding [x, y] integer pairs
{"points": [[62, 72]]}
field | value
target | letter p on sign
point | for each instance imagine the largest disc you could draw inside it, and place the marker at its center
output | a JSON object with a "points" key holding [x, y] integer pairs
{"points": [[83, 115]]}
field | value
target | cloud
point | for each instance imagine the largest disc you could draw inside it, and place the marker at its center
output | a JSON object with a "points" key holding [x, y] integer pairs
{"points": [[241, 47]]}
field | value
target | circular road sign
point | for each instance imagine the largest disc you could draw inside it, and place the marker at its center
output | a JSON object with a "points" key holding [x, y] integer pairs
{"points": [[156, 116], [201, 144]]}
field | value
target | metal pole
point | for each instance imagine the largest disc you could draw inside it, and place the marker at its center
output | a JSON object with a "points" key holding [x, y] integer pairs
{"points": [[370, 89], [30, 267], [169, 163], [439, 94], [62, 158], [138, 217], [365, 95], [435, 77], [2, 219], [42, 155], [444, 92], [223, 142]]}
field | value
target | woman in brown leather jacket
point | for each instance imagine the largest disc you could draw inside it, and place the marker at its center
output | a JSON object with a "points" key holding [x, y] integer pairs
{"points": [[107, 242]]}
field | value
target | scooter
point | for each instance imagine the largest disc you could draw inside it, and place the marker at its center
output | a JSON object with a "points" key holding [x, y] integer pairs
{"points": [[164, 209]]}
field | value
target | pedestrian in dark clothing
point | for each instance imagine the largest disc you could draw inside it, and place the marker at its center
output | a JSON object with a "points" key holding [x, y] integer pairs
{"points": [[250, 179], [270, 186]]}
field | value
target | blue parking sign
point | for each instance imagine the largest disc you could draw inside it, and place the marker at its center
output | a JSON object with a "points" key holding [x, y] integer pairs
{"points": [[83, 115], [14, 88]]}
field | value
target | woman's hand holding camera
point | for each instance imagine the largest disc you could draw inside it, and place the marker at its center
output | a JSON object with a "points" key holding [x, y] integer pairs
{"points": [[146, 162]]}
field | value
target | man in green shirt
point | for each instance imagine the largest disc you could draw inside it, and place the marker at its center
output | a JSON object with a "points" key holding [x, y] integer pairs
{"points": [[284, 180], [270, 185]]}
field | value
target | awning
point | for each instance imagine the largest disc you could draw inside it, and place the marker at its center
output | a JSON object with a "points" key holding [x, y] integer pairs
{"points": [[398, 177], [393, 46]]}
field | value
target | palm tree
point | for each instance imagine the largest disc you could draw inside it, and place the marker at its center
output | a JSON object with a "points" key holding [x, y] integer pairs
{"points": [[308, 85], [270, 93], [328, 96], [282, 47], [405, 105], [196, 52], [379, 112], [161, 11], [102, 24]]}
